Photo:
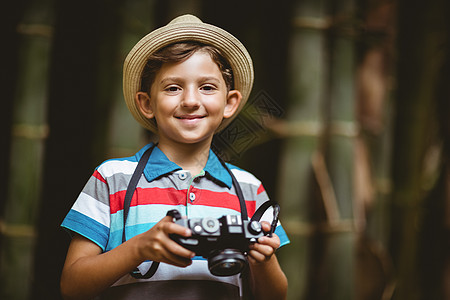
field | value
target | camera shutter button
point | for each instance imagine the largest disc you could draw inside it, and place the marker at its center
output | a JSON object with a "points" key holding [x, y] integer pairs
{"points": [[197, 229]]}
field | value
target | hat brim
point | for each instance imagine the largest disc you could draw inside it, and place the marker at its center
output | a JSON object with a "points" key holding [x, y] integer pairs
{"points": [[190, 29]]}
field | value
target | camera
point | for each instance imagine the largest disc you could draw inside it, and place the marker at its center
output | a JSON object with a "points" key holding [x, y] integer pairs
{"points": [[224, 242]]}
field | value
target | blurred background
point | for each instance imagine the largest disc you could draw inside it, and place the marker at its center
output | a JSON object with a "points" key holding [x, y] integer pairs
{"points": [[347, 126]]}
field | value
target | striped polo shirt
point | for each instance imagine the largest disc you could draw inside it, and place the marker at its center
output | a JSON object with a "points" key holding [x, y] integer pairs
{"points": [[98, 215]]}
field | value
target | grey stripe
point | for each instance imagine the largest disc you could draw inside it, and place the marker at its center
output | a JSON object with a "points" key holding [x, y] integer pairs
{"points": [[97, 189], [168, 180], [173, 290]]}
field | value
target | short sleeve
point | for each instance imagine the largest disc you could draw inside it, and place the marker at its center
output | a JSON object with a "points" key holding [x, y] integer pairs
{"points": [[90, 214]]}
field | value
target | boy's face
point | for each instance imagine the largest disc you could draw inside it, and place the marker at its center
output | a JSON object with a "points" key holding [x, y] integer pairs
{"points": [[189, 100]]}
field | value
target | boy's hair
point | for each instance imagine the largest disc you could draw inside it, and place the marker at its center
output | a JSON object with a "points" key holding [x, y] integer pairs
{"points": [[179, 52]]}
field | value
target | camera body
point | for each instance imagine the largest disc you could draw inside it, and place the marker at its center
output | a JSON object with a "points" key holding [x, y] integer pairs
{"points": [[224, 242]]}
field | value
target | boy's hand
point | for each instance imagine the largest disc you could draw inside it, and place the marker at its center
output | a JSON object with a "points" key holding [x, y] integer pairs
{"points": [[156, 245], [267, 280], [266, 246]]}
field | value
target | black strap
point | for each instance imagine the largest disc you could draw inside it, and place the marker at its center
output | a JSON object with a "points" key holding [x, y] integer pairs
{"points": [[240, 195], [262, 209], [126, 208], [132, 186], [153, 268]]}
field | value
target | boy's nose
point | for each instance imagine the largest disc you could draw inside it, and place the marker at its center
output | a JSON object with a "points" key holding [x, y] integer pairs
{"points": [[190, 98]]}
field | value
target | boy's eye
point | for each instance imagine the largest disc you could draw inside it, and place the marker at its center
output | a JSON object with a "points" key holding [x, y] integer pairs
{"points": [[208, 88], [172, 89]]}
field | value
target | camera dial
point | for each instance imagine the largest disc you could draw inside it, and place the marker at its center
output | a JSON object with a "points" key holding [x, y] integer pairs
{"points": [[210, 225], [254, 227]]}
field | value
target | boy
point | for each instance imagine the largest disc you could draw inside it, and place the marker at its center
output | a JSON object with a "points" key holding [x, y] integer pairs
{"points": [[184, 81]]}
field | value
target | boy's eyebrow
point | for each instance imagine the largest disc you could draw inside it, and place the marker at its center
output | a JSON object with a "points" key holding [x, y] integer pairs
{"points": [[170, 79], [180, 79], [209, 79]]}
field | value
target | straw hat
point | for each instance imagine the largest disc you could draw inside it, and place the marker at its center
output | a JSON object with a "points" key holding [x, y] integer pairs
{"points": [[186, 28]]}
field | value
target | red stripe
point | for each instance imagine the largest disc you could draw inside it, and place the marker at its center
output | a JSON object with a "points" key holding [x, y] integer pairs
{"points": [[217, 199], [251, 208], [171, 196], [223, 199], [260, 189], [99, 176]]}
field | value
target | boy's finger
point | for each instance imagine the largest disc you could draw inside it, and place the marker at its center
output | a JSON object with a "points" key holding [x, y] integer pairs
{"points": [[172, 228], [265, 226], [178, 250], [256, 256], [177, 254], [264, 250], [175, 260], [273, 241]]}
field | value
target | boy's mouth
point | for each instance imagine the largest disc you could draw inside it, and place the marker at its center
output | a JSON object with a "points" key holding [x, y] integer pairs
{"points": [[189, 117]]}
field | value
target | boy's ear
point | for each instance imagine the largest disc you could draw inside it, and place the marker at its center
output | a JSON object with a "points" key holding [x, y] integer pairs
{"points": [[233, 100], [144, 104]]}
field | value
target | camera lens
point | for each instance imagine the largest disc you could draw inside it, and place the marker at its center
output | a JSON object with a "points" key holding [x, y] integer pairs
{"points": [[226, 262]]}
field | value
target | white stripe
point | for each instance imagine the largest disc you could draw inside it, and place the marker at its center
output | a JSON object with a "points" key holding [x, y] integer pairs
{"points": [[245, 177], [92, 208], [112, 167]]}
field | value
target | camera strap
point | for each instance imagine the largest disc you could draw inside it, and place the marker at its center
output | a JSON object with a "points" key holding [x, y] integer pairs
{"points": [[262, 209], [239, 194], [126, 208], [132, 186]]}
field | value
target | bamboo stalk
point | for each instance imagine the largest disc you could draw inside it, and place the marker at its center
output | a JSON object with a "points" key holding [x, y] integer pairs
{"points": [[306, 86], [339, 257], [9, 18], [29, 132], [418, 71]]}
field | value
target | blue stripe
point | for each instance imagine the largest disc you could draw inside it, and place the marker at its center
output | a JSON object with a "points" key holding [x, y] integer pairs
{"points": [[284, 240], [155, 212], [142, 214], [115, 238], [87, 227]]}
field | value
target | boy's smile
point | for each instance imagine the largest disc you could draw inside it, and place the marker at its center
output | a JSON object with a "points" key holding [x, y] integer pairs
{"points": [[189, 100]]}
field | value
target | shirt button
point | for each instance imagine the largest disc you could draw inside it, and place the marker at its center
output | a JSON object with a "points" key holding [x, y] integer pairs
{"points": [[182, 175], [192, 196]]}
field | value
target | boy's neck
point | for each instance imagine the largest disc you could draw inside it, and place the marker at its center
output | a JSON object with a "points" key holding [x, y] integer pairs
{"points": [[191, 157]]}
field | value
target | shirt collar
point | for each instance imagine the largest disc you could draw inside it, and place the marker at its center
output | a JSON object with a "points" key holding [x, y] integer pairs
{"points": [[158, 164], [215, 168]]}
